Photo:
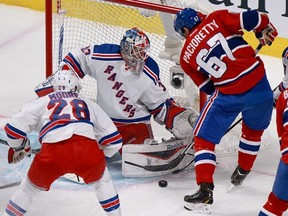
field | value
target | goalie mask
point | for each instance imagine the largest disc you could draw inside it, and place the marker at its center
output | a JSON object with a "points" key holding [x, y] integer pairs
{"points": [[187, 18], [135, 47], [67, 81]]}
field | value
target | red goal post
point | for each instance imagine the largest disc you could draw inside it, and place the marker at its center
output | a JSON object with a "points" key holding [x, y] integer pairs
{"points": [[82, 22]]}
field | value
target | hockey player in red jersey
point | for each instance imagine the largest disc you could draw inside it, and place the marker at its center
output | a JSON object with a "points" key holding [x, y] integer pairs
{"points": [[76, 135], [277, 202], [222, 64]]}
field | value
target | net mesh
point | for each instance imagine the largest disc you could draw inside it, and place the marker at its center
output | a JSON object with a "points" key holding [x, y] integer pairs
{"points": [[92, 22]]}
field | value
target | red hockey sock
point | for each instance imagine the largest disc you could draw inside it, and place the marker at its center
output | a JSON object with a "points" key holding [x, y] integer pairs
{"points": [[275, 205], [205, 166], [249, 147]]}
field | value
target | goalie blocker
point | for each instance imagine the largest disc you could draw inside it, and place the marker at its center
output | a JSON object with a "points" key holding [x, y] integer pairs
{"points": [[153, 159]]}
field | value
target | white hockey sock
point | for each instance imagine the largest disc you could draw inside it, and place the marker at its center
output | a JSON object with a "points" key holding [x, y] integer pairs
{"points": [[107, 194], [21, 199]]}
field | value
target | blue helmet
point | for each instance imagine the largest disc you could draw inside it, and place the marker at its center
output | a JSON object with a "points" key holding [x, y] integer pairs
{"points": [[188, 18]]}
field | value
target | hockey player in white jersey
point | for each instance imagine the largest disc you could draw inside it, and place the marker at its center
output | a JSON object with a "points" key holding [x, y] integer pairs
{"points": [[129, 89], [76, 135]]}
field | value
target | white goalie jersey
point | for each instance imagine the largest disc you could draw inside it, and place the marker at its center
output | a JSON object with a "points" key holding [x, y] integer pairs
{"points": [[125, 96]]}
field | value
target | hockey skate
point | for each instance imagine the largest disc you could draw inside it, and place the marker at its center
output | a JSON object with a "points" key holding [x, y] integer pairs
{"points": [[238, 176], [200, 202]]}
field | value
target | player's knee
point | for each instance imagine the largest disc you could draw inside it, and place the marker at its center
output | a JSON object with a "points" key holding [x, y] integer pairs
{"points": [[201, 144], [28, 188], [251, 134], [104, 179]]}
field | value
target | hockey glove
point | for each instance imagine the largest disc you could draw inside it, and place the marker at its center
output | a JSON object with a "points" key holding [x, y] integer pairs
{"points": [[17, 154], [179, 121], [267, 36]]}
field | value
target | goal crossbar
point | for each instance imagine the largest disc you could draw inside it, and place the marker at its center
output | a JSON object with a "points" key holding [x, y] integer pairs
{"points": [[148, 5]]}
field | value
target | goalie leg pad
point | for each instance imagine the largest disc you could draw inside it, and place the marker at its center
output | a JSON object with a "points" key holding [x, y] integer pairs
{"points": [[136, 157]]}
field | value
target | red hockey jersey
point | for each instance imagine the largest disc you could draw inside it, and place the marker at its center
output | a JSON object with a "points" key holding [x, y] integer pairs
{"points": [[215, 55]]}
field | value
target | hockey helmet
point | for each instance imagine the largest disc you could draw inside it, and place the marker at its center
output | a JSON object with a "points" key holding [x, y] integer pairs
{"points": [[67, 81], [135, 47], [186, 18]]}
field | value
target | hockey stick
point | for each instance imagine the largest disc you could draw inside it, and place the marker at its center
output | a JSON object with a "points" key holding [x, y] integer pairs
{"points": [[258, 48], [10, 185], [34, 151], [61, 30], [228, 130]]}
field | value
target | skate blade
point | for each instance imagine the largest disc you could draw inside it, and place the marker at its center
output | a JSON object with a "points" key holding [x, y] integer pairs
{"points": [[231, 188], [199, 208]]}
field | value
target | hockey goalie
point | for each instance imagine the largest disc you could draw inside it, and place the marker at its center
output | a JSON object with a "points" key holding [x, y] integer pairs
{"points": [[130, 91]]}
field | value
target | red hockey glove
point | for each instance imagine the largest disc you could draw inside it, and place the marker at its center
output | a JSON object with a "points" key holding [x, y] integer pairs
{"points": [[17, 154], [268, 35]]}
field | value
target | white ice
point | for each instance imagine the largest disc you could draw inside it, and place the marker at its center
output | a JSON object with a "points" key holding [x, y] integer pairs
{"points": [[22, 57]]}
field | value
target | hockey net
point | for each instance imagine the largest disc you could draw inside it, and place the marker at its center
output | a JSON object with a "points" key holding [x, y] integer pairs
{"points": [[88, 22], [74, 24]]}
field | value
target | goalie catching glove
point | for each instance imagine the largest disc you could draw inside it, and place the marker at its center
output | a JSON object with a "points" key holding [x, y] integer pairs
{"points": [[17, 154], [179, 121]]}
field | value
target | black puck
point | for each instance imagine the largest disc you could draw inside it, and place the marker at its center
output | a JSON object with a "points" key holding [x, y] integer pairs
{"points": [[162, 183]]}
